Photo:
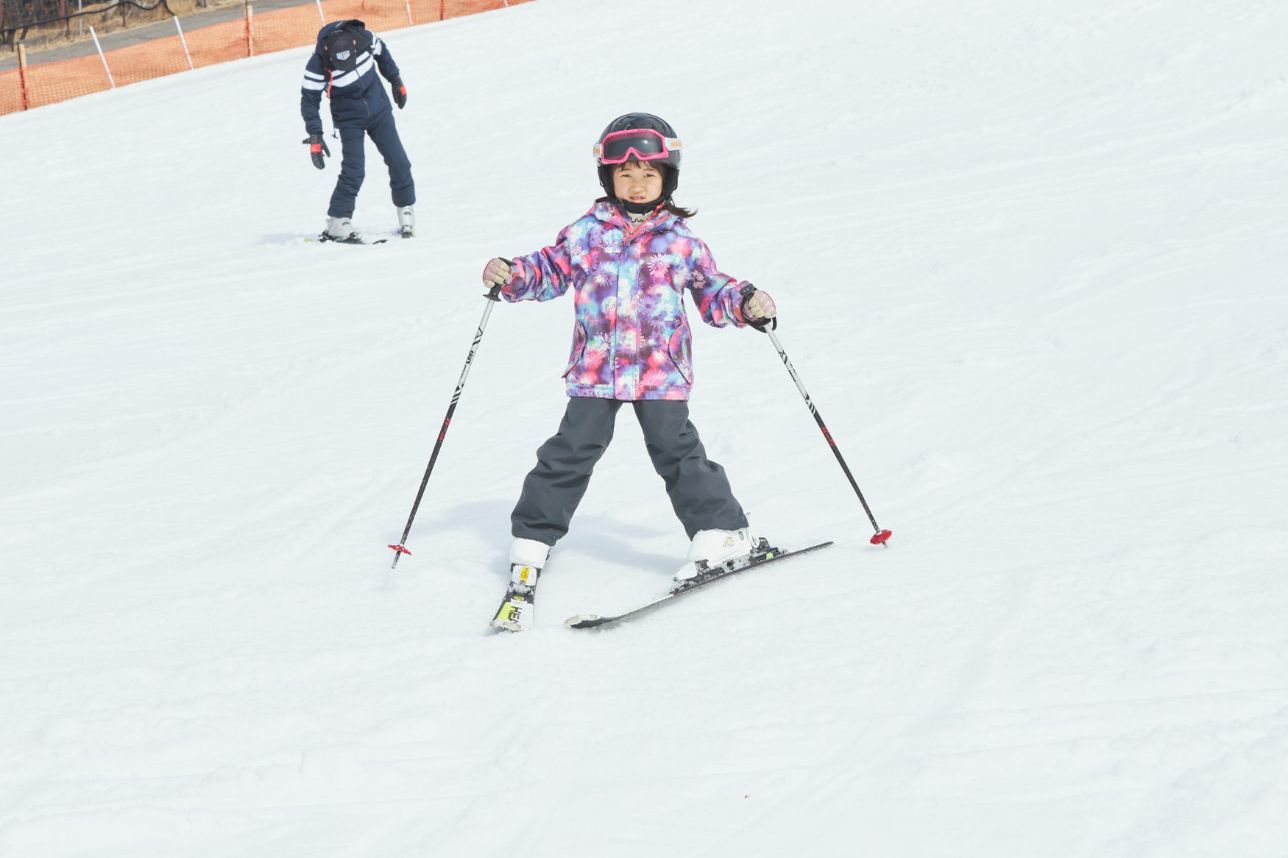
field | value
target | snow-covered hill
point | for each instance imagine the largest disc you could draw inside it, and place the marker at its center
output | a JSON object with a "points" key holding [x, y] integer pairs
{"points": [[1030, 262]]}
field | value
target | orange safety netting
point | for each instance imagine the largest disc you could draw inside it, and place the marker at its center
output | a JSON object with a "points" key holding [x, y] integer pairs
{"points": [[255, 33]]}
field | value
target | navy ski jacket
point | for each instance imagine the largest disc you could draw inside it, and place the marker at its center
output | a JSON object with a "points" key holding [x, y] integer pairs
{"points": [[357, 96]]}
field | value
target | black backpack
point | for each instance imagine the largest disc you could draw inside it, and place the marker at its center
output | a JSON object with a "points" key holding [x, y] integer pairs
{"points": [[342, 47]]}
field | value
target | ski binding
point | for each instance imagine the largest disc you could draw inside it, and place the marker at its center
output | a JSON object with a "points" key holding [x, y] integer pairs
{"points": [[516, 612]]}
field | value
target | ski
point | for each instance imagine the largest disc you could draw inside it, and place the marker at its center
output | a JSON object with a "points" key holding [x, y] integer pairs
{"points": [[759, 557], [516, 612], [325, 238]]}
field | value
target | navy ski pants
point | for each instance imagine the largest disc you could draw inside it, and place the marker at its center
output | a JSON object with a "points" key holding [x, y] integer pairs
{"points": [[353, 164], [698, 488]]}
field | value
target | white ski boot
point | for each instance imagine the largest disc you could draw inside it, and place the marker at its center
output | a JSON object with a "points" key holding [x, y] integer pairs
{"points": [[527, 557], [340, 229], [406, 222], [713, 547]]}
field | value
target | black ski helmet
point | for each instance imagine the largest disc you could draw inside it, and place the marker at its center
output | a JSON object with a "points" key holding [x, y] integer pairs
{"points": [[631, 121], [341, 43]]}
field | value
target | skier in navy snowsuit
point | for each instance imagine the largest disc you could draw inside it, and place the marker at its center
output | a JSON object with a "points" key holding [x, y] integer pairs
{"points": [[343, 64]]}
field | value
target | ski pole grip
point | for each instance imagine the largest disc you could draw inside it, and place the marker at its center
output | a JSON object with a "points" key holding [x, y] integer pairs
{"points": [[746, 292], [495, 292]]}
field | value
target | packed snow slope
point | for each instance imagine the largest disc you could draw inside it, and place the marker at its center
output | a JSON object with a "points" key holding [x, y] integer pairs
{"points": [[1030, 262]]}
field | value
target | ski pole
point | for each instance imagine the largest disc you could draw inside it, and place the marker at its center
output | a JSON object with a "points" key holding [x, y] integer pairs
{"points": [[400, 548], [880, 536]]}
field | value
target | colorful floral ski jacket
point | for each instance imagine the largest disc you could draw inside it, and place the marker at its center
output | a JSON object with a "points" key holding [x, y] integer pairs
{"points": [[631, 339]]}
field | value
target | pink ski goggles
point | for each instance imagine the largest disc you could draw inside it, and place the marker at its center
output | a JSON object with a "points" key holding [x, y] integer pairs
{"points": [[635, 144]]}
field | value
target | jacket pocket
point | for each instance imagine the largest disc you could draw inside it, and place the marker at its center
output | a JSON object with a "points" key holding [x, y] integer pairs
{"points": [[677, 349], [578, 348]]}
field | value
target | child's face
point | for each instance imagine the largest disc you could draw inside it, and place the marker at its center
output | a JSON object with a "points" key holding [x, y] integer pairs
{"points": [[637, 182]]}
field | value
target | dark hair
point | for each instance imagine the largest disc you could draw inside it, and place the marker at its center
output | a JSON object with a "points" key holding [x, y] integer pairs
{"points": [[670, 206], [678, 211]]}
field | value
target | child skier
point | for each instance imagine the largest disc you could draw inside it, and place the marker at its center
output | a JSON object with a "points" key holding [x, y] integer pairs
{"points": [[343, 64], [628, 261]]}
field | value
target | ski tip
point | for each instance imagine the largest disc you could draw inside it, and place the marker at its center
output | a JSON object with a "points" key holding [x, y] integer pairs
{"points": [[581, 620]]}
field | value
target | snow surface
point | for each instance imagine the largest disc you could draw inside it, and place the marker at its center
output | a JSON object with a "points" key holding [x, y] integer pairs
{"points": [[1030, 260]]}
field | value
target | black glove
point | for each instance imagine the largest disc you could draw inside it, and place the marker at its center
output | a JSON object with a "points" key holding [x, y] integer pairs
{"points": [[400, 92], [317, 148]]}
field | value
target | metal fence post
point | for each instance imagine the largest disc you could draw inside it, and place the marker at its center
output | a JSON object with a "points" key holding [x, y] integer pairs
{"points": [[102, 57], [184, 42]]}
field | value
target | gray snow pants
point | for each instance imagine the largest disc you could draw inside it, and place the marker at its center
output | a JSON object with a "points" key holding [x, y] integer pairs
{"points": [[697, 486]]}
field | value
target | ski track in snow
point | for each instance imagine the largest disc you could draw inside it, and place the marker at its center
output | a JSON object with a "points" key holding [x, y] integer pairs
{"points": [[1030, 264]]}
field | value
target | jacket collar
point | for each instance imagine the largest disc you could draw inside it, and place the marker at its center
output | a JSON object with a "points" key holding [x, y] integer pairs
{"points": [[608, 213]]}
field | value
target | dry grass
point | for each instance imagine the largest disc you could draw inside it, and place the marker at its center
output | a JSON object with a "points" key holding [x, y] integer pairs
{"points": [[76, 29]]}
